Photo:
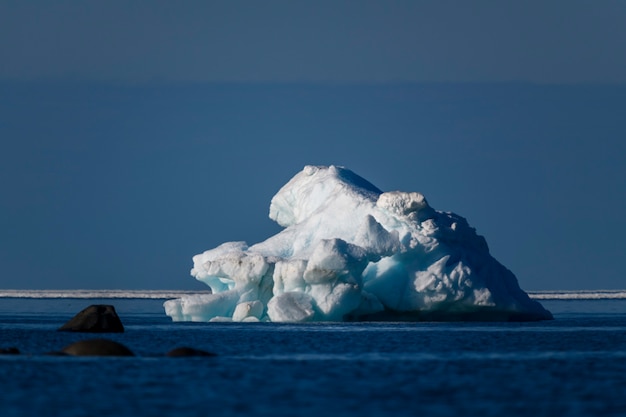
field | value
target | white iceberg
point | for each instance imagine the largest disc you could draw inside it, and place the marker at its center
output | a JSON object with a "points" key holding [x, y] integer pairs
{"points": [[349, 251]]}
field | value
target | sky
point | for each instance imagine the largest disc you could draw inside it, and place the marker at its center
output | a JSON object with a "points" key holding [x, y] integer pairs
{"points": [[134, 135]]}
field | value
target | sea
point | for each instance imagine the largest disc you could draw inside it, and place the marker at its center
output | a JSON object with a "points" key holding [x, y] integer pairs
{"points": [[574, 365]]}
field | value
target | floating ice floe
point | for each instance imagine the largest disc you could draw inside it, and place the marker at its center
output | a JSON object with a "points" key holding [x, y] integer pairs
{"points": [[349, 251]]}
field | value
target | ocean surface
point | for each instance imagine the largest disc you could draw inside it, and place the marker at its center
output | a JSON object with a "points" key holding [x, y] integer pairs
{"points": [[574, 365]]}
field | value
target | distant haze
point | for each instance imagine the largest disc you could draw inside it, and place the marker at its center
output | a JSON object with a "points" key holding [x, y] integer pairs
{"points": [[318, 41]]}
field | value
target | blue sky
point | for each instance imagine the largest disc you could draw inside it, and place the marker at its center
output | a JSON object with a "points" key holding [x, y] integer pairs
{"points": [[315, 41], [135, 135]]}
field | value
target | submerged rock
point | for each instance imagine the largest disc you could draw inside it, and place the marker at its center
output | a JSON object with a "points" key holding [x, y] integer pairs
{"points": [[97, 318], [187, 352], [97, 347]]}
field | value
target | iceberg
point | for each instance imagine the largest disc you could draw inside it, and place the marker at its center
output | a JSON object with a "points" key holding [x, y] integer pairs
{"points": [[350, 252]]}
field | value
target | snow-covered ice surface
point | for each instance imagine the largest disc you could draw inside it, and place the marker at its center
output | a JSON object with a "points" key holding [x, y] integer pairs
{"points": [[349, 251], [168, 294]]}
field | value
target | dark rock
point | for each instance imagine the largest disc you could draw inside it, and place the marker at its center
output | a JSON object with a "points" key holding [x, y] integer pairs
{"points": [[187, 352], [9, 351], [56, 353], [97, 347], [99, 318]]}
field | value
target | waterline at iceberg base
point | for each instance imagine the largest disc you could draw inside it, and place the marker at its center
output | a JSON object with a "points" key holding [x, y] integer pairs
{"points": [[350, 252]]}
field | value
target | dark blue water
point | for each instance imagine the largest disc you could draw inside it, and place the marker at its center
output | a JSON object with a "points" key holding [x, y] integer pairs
{"points": [[572, 366]]}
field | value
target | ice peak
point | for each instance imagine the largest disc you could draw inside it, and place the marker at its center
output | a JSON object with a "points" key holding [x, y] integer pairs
{"points": [[315, 187]]}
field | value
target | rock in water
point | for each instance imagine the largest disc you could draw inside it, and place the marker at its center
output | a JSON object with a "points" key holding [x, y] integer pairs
{"points": [[349, 251], [98, 318], [97, 347], [184, 351], [9, 351]]}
